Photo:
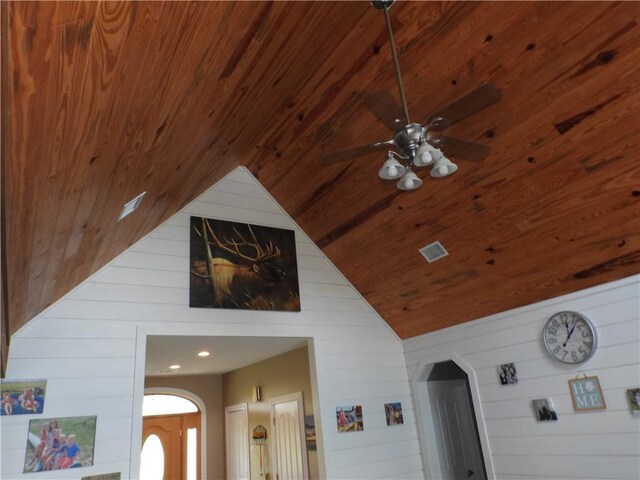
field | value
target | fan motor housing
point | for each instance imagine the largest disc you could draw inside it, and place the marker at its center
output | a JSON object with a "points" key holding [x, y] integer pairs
{"points": [[408, 138]]}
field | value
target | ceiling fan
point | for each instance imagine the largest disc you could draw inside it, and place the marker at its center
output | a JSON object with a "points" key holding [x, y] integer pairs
{"points": [[417, 144]]}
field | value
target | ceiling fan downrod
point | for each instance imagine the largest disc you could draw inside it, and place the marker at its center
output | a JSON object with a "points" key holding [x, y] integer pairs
{"points": [[384, 6]]}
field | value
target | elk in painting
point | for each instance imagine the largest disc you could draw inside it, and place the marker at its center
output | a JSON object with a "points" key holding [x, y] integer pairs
{"points": [[232, 269]]}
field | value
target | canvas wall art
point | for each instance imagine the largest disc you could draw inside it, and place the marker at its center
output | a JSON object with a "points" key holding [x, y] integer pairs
{"points": [[544, 410], [507, 374], [349, 419], [633, 396], [60, 443], [22, 397], [393, 413], [241, 266]]}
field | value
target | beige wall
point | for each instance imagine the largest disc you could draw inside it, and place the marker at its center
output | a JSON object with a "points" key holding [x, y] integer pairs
{"points": [[277, 376], [209, 389]]}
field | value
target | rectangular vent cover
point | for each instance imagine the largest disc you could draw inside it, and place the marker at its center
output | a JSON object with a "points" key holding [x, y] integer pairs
{"points": [[434, 251]]}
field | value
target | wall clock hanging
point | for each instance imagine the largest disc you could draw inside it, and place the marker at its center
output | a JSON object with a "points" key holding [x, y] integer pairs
{"points": [[570, 337]]}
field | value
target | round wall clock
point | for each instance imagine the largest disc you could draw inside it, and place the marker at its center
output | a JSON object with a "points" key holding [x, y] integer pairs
{"points": [[570, 337]]}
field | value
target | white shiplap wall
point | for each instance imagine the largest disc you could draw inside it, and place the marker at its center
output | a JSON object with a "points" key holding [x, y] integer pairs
{"points": [[603, 444], [90, 346]]}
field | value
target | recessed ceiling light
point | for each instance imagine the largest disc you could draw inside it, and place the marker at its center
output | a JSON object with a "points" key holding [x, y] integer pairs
{"points": [[129, 207], [203, 353], [174, 367]]}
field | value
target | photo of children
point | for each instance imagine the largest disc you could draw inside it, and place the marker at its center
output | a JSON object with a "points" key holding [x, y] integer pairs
{"points": [[507, 373], [58, 444], [543, 408], [393, 412], [633, 395], [349, 419], [22, 397]]}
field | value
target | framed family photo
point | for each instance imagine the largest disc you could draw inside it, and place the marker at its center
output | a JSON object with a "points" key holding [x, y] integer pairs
{"points": [[544, 410], [633, 396], [22, 397], [60, 443], [349, 419], [507, 374]]}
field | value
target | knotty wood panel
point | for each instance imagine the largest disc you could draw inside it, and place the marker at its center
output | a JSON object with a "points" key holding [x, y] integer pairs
{"points": [[106, 100]]}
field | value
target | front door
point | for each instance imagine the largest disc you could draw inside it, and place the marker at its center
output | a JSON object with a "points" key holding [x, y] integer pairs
{"points": [[455, 430], [290, 453], [170, 447]]}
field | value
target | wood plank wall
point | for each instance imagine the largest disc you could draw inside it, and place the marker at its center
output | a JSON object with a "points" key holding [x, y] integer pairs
{"points": [[85, 344], [604, 444]]}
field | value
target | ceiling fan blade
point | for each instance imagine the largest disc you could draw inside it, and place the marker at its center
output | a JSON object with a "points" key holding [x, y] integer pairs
{"points": [[354, 152], [461, 149], [473, 102], [385, 107]]}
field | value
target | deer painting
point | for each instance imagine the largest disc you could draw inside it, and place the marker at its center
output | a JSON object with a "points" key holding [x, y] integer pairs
{"points": [[241, 271]]}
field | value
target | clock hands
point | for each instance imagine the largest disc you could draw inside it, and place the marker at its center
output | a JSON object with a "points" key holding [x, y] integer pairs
{"points": [[569, 332]]}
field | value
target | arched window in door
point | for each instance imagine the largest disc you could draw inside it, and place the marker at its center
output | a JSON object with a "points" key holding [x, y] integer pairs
{"points": [[170, 438]]}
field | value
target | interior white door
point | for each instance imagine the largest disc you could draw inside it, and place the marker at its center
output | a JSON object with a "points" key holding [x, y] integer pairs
{"points": [[289, 448], [237, 440], [455, 430]]}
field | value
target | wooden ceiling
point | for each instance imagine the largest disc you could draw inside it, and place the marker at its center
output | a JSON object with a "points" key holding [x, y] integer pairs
{"points": [[104, 100]]}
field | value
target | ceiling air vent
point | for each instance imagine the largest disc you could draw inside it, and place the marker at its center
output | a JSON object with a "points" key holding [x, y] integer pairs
{"points": [[434, 251], [130, 206]]}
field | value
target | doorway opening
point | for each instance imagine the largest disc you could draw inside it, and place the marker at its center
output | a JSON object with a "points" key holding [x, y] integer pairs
{"points": [[171, 438], [452, 431]]}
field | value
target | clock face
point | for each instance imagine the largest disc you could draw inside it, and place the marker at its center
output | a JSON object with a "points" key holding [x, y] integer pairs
{"points": [[570, 337]]}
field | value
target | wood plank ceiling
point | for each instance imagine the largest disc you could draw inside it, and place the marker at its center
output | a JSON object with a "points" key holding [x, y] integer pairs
{"points": [[102, 101]]}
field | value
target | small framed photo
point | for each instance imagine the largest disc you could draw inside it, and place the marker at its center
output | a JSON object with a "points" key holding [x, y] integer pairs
{"points": [[586, 394], [544, 410], [349, 419], [393, 412], [60, 443], [507, 374], [310, 432], [22, 397], [633, 395]]}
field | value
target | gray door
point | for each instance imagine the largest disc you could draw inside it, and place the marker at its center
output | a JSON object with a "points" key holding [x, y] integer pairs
{"points": [[455, 430]]}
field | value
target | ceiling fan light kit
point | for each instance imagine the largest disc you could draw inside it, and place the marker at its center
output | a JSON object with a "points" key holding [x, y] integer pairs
{"points": [[416, 145]]}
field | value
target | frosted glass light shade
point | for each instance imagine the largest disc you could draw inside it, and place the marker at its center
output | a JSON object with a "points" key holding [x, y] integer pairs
{"points": [[443, 167], [409, 181], [426, 155], [391, 169]]}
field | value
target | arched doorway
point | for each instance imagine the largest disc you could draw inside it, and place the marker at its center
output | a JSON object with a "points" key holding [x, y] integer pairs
{"points": [[171, 438]]}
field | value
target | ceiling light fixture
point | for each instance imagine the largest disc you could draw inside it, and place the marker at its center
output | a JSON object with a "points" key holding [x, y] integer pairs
{"points": [[417, 145], [203, 353], [174, 367], [412, 138], [131, 206]]}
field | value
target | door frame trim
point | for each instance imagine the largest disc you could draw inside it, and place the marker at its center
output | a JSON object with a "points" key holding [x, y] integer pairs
{"points": [[297, 396], [430, 460]]}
